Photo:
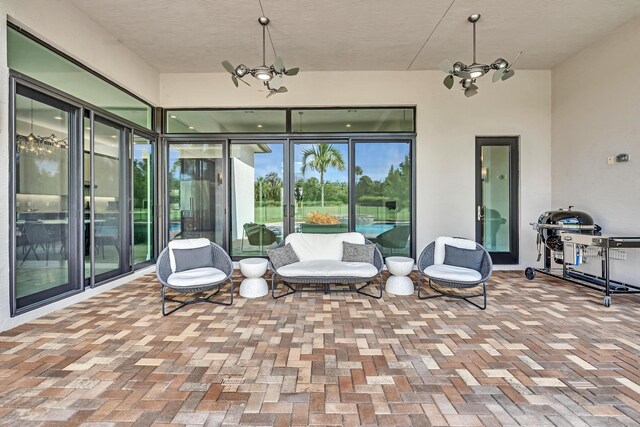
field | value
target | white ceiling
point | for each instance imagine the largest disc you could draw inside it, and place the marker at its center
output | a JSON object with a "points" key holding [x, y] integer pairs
{"points": [[196, 35]]}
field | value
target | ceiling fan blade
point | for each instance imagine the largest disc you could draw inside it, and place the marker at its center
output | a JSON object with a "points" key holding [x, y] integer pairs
{"points": [[227, 66], [497, 75], [282, 89], [244, 82], [234, 79], [278, 64], [446, 66], [448, 81], [292, 71], [470, 92], [514, 60], [508, 74], [473, 87], [276, 82]]}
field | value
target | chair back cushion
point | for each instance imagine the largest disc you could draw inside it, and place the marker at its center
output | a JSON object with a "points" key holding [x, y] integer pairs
{"points": [[310, 246], [439, 249], [467, 258], [184, 244], [190, 259]]}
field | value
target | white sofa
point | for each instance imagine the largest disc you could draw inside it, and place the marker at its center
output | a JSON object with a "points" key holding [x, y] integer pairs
{"points": [[320, 262]]}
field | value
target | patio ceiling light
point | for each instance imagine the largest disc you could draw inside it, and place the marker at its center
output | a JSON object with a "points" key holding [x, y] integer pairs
{"points": [[271, 76]]}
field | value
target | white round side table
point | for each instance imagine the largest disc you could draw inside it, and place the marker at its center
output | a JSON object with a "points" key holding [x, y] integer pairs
{"points": [[400, 267], [254, 286]]}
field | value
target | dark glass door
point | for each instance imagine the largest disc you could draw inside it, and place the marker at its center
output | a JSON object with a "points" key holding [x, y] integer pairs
{"points": [[45, 219], [383, 181], [196, 187], [143, 199], [258, 198], [110, 201], [320, 185], [497, 197]]}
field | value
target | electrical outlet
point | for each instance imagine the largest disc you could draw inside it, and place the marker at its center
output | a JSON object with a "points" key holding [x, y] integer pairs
{"points": [[610, 160]]}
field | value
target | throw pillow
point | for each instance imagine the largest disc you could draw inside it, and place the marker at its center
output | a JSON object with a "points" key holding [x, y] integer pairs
{"points": [[282, 256], [467, 258], [353, 252], [189, 259]]}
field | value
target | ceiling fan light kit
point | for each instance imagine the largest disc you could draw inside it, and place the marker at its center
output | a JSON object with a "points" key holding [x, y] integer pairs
{"points": [[271, 76], [469, 73]]}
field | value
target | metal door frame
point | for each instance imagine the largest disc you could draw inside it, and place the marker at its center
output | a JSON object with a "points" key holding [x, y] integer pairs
{"points": [[513, 142]]}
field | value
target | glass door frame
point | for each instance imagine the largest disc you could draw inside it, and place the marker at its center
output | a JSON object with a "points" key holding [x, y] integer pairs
{"points": [[163, 169], [286, 166], [289, 140], [125, 210], [75, 258], [513, 142], [76, 188], [378, 139], [153, 140], [304, 139]]}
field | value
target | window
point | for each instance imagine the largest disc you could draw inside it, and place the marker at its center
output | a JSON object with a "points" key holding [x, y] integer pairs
{"points": [[257, 196], [225, 121], [353, 120], [37, 61], [383, 194], [196, 191], [43, 142]]}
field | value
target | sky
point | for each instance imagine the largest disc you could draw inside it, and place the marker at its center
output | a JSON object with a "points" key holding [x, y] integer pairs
{"points": [[374, 158]]}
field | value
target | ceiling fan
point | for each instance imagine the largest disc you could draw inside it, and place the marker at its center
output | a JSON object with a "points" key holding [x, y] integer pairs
{"points": [[270, 75], [469, 73]]}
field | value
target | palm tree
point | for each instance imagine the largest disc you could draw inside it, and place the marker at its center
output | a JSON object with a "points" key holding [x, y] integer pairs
{"points": [[319, 158]]}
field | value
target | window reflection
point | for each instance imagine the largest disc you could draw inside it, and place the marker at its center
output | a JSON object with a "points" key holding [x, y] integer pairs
{"points": [[42, 196], [383, 195]]}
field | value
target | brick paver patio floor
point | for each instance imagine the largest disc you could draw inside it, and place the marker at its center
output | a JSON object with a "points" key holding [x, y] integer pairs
{"points": [[543, 353]]}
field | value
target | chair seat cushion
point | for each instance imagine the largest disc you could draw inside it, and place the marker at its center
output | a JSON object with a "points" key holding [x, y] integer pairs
{"points": [[196, 277], [452, 273], [328, 268]]}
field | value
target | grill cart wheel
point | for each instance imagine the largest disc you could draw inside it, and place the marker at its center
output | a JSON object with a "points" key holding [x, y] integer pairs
{"points": [[530, 273]]}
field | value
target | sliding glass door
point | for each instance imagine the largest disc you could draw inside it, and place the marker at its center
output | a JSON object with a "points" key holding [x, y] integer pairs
{"points": [[143, 199], [196, 188], [82, 181], [383, 201], [321, 185], [45, 136], [258, 208], [106, 202], [248, 193]]}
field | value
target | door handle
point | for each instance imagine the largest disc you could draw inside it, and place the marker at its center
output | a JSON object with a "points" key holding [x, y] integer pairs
{"points": [[480, 215], [284, 211], [292, 211]]}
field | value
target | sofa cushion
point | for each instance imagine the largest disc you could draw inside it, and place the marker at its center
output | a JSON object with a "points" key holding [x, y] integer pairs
{"points": [[309, 246], [328, 268], [352, 252], [282, 256], [184, 244], [195, 277], [467, 258], [452, 273], [439, 250], [189, 259]]}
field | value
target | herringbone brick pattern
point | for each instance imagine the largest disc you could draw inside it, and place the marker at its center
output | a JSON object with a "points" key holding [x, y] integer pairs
{"points": [[543, 353]]}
